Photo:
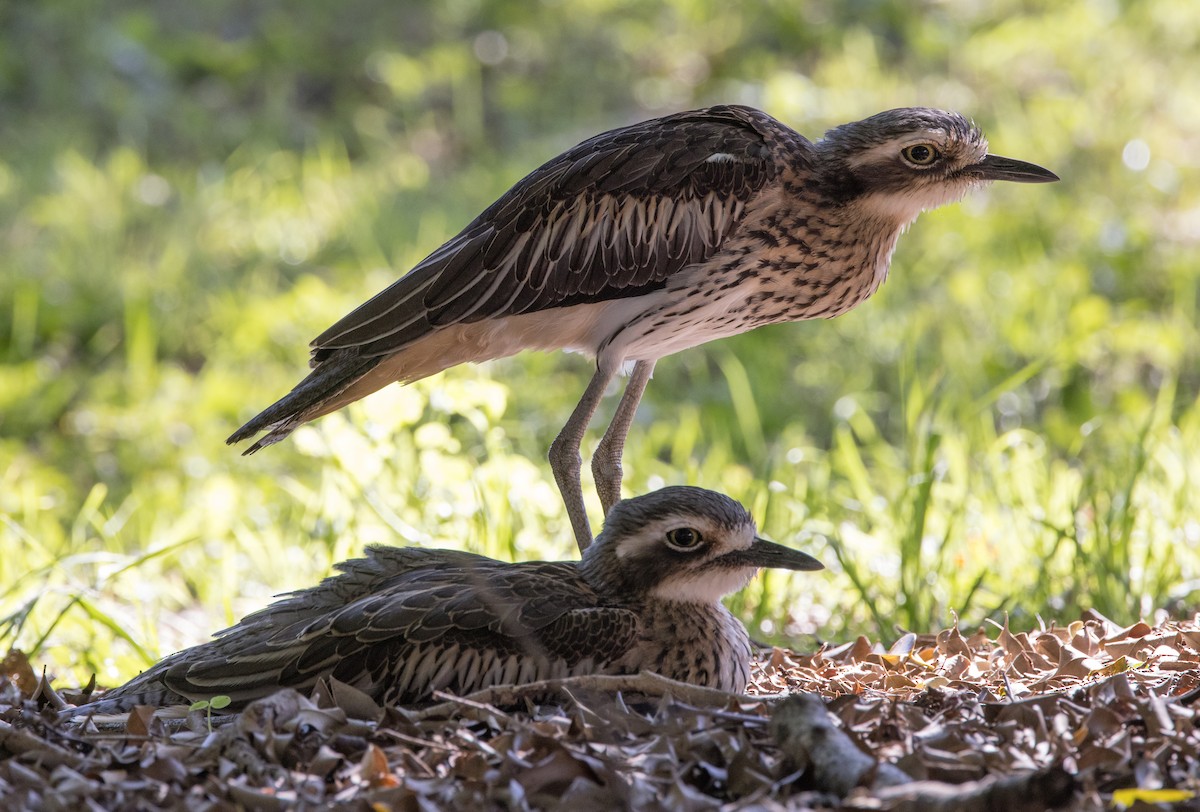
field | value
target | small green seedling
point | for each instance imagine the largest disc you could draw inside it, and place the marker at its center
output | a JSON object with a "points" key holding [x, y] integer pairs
{"points": [[209, 705]]}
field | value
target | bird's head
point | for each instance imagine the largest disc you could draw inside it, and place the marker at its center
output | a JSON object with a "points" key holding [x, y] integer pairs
{"points": [[898, 163], [682, 544]]}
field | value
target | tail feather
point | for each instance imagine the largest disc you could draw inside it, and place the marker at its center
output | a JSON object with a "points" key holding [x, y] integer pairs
{"points": [[309, 399], [147, 688], [158, 697]]}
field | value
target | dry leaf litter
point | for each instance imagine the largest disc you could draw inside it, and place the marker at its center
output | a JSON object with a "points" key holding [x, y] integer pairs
{"points": [[1112, 708]]}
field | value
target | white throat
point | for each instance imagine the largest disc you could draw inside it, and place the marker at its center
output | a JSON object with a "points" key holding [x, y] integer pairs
{"points": [[703, 587]]}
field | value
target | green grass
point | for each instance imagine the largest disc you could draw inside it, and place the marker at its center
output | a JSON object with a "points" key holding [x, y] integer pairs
{"points": [[1007, 427]]}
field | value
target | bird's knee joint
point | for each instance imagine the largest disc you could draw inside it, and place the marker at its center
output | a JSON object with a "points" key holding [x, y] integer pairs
{"points": [[564, 455], [606, 466]]}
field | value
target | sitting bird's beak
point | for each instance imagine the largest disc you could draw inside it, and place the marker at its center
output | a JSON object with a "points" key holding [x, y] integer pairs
{"points": [[763, 553]]}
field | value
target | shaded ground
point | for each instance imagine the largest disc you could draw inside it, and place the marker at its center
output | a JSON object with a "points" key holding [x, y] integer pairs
{"points": [[1112, 707]]}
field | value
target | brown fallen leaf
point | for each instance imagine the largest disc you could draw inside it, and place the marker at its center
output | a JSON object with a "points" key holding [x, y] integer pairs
{"points": [[374, 769], [554, 773], [15, 666]]}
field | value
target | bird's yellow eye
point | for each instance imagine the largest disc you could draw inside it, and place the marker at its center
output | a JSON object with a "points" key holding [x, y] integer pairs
{"points": [[684, 538], [921, 154]]}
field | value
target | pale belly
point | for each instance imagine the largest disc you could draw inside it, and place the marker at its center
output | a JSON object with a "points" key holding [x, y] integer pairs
{"points": [[668, 327]]}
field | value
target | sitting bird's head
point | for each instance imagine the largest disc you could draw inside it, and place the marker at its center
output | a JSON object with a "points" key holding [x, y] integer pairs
{"points": [[683, 544]]}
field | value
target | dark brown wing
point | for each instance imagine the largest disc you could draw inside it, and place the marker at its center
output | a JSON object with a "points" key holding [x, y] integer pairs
{"points": [[443, 625], [283, 620], [614, 216]]}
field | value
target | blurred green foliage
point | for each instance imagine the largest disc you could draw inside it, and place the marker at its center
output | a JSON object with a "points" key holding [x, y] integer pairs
{"points": [[189, 192]]}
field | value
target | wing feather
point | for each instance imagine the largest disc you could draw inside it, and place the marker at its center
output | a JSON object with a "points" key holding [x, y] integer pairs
{"points": [[399, 624], [611, 217]]}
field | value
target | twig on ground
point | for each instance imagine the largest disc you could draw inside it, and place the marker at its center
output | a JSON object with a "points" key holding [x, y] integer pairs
{"points": [[645, 682]]}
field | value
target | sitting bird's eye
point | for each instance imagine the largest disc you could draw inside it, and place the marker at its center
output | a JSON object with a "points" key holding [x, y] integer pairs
{"points": [[684, 538], [920, 154]]}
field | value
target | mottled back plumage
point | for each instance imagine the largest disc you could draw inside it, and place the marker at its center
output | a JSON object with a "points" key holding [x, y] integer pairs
{"points": [[613, 217], [402, 623]]}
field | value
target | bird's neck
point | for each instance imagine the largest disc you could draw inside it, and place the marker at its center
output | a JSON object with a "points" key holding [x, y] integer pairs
{"points": [[605, 574], [863, 224], [875, 230], [828, 254]]}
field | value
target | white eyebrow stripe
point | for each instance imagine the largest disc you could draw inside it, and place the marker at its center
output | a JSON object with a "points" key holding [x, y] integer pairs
{"points": [[891, 148], [648, 537]]}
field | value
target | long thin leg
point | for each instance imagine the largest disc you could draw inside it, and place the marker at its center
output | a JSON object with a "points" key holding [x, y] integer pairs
{"points": [[606, 460], [564, 454]]}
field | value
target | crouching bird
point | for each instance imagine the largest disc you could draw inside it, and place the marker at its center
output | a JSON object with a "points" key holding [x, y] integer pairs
{"points": [[644, 241], [402, 623]]}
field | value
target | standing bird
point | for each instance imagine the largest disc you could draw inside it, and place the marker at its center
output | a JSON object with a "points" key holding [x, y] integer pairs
{"points": [[405, 622], [644, 241]]}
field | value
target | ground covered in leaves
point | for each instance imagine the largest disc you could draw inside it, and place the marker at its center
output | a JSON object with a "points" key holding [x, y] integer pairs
{"points": [[1082, 716]]}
